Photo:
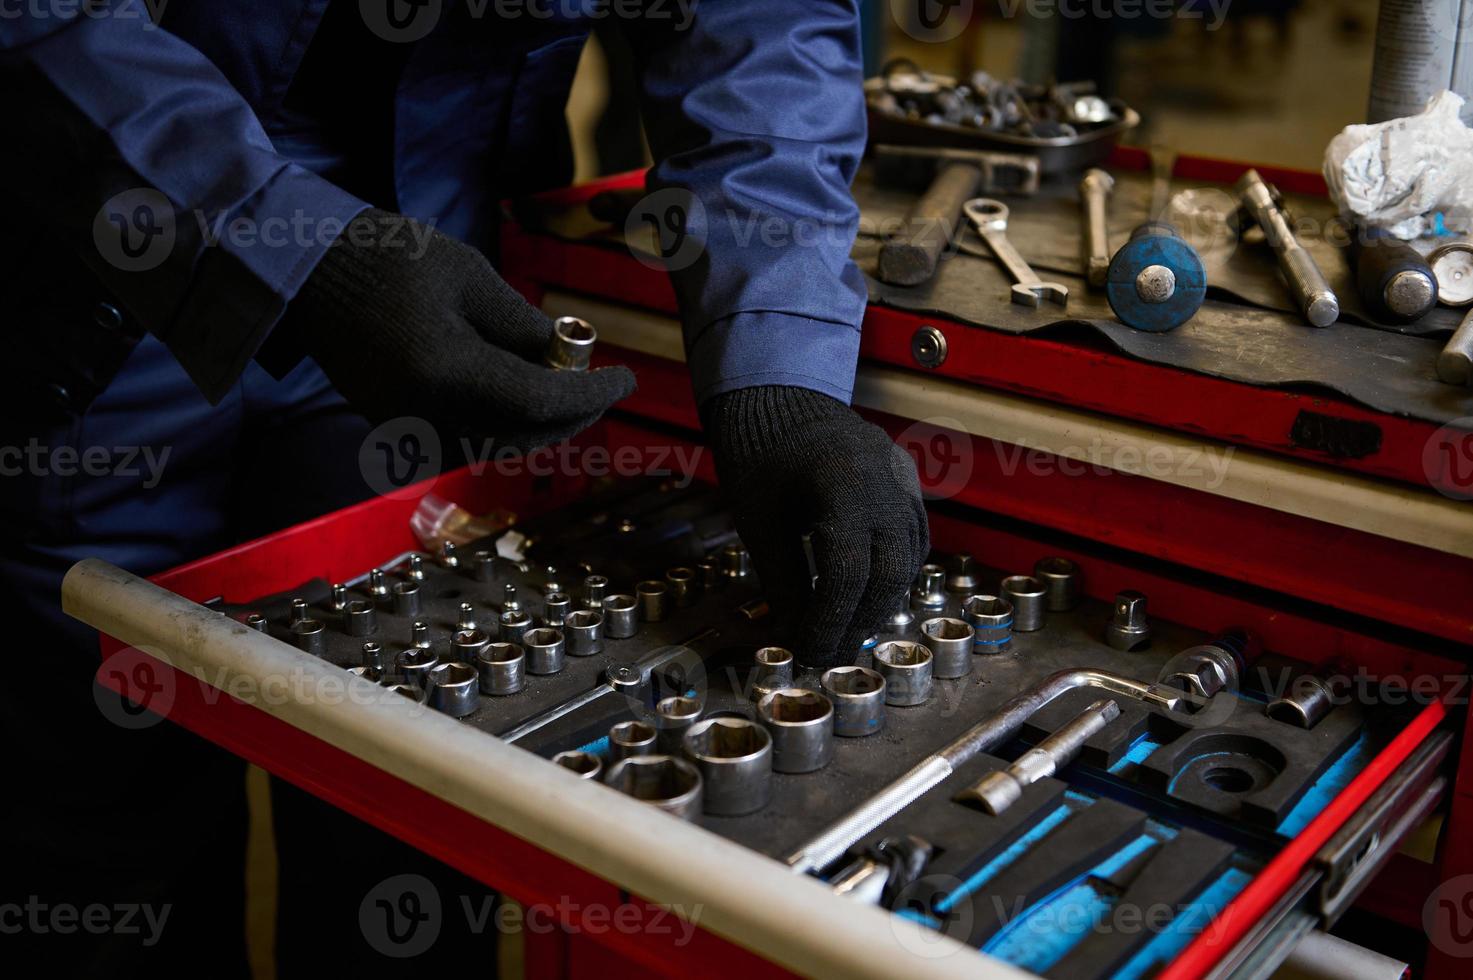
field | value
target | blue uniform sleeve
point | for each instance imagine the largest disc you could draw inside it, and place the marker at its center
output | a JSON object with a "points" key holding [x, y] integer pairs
{"points": [[138, 153], [755, 114]]}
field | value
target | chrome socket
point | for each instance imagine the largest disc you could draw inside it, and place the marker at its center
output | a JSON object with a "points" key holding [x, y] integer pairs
{"points": [[360, 618], [654, 599], [555, 608], [1128, 628], [406, 598], [858, 694], [736, 562], [950, 642], [570, 348], [991, 618], [584, 630], [734, 757], [595, 588], [466, 620], [415, 664], [663, 781], [584, 765], [372, 674], [298, 612], [673, 717], [466, 645], [416, 568], [550, 585], [1029, 599], [631, 738], [621, 616], [482, 565], [1305, 704], [502, 668], [514, 621], [929, 594], [258, 622], [708, 573], [419, 634], [801, 723], [906, 668], [684, 589], [453, 689], [773, 672], [1062, 580], [448, 556], [545, 649], [378, 587], [374, 656], [413, 692], [310, 636], [962, 578], [339, 597]]}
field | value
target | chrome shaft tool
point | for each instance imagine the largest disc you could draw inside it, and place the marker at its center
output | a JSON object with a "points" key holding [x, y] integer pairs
{"points": [[998, 790], [1260, 205], [1094, 191], [1156, 281], [990, 219]]}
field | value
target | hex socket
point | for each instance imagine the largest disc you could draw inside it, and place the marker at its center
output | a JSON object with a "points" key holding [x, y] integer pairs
{"points": [[621, 616], [906, 668], [545, 649], [674, 785], [1029, 599], [453, 689], [310, 636], [858, 694], [503, 669], [595, 587], [555, 608], [513, 628], [801, 723], [1062, 580], [413, 692], [585, 765], [359, 618], [584, 630], [682, 584], [950, 642], [653, 599], [372, 674], [631, 738], [991, 618], [406, 598], [673, 717], [466, 645], [374, 656], [570, 348], [415, 664], [774, 670], [734, 757]]}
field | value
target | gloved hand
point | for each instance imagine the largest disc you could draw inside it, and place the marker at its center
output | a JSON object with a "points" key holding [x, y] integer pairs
{"points": [[404, 329], [790, 461]]}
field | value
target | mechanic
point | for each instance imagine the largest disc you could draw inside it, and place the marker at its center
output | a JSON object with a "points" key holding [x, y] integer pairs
{"points": [[376, 140]]}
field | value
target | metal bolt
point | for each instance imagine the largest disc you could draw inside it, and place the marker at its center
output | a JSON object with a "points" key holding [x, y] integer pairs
{"points": [[928, 347]]}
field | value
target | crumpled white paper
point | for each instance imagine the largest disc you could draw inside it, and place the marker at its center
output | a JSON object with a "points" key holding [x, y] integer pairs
{"points": [[1397, 174]]}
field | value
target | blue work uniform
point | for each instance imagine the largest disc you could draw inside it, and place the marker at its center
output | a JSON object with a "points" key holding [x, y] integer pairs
{"points": [[169, 187]]}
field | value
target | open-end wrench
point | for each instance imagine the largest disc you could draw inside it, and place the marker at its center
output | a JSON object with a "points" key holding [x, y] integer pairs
{"points": [[990, 218], [1094, 191]]}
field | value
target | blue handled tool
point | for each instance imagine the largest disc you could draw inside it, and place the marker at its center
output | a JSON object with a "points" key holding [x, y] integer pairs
{"points": [[1156, 281]]}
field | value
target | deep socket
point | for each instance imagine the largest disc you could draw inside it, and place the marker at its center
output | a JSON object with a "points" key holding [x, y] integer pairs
{"points": [[992, 622], [359, 618], [858, 695], [1062, 580], [1029, 599], [950, 642], [801, 723], [653, 596], [406, 598]]}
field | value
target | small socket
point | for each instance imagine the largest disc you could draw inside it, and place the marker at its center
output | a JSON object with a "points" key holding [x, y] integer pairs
{"points": [[629, 738], [502, 668], [653, 597], [584, 630], [585, 765], [545, 649], [621, 616], [570, 348], [1029, 599], [906, 668], [453, 689]]}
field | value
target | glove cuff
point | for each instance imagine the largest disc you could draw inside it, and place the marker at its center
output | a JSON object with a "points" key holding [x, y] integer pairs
{"points": [[749, 422]]}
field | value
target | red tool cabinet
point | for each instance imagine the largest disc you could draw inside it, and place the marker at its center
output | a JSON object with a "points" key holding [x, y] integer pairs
{"points": [[1316, 591]]}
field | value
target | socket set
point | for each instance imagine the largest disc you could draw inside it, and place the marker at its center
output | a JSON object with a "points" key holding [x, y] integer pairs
{"points": [[629, 643]]}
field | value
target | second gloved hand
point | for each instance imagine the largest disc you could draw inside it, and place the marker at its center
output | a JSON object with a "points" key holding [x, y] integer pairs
{"points": [[793, 461], [419, 324]]}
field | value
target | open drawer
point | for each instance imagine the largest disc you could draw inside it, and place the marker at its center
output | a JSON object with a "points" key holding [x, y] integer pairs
{"points": [[1140, 820]]}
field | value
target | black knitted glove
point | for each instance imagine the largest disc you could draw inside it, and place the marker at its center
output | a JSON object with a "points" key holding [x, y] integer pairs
{"points": [[790, 461], [409, 325]]}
